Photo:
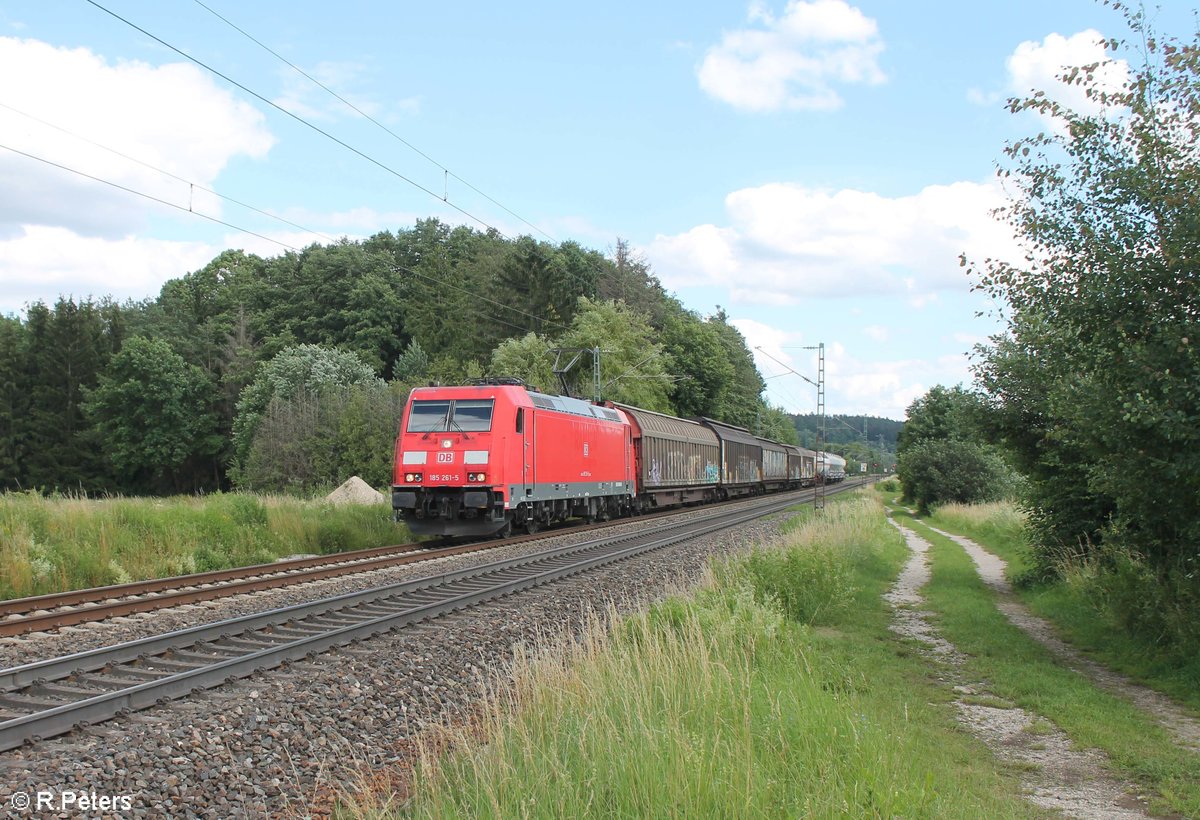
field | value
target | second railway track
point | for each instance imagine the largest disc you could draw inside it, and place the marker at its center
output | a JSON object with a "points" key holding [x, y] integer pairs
{"points": [[51, 697], [20, 616]]}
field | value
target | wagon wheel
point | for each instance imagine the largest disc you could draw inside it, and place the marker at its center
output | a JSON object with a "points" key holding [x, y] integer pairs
{"points": [[505, 531], [532, 526]]}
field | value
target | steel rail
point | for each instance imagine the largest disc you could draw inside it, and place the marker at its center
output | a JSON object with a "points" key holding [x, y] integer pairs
{"points": [[19, 616], [93, 659], [175, 680]]}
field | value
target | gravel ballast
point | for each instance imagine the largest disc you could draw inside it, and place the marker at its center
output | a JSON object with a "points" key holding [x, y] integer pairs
{"points": [[267, 745]]}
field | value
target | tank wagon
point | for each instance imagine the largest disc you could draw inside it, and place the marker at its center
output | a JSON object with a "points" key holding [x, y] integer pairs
{"points": [[834, 468], [482, 459]]}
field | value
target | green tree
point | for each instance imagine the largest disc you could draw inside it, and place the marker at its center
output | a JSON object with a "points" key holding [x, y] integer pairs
{"points": [[941, 455], [1104, 316], [68, 347], [153, 412], [738, 399], [702, 363], [338, 295], [774, 423], [316, 440], [14, 400], [295, 370], [542, 284], [941, 471], [527, 358], [413, 364], [634, 369], [941, 414]]}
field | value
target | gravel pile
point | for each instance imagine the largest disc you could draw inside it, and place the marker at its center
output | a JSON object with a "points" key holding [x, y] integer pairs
{"points": [[271, 744], [356, 491]]}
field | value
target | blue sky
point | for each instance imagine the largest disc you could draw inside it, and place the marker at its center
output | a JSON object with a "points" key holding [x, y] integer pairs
{"points": [[815, 168]]}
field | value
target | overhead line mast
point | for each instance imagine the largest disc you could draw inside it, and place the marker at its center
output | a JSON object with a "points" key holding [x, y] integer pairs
{"points": [[819, 483]]}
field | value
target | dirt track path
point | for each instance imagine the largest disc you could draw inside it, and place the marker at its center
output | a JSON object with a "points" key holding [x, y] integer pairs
{"points": [[1054, 774], [1175, 719]]}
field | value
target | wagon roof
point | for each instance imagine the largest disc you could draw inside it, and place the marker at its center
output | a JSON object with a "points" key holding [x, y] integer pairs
{"points": [[660, 425], [728, 432], [773, 446]]}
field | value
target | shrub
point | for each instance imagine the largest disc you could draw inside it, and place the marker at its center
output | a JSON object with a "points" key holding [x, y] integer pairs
{"points": [[936, 472], [811, 584]]}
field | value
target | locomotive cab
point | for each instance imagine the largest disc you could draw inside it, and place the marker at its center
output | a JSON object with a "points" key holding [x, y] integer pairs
{"points": [[449, 467], [478, 460]]}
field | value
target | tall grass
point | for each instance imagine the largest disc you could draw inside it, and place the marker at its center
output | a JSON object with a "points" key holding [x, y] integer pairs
{"points": [[52, 544], [1091, 598], [721, 705], [1019, 669], [1000, 524]]}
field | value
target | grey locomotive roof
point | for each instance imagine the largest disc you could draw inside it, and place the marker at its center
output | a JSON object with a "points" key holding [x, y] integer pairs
{"points": [[577, 407]]}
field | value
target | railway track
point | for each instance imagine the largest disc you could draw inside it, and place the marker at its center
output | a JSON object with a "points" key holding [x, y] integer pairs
{"points": [[35, 614], [39, 613], [51, 697]]}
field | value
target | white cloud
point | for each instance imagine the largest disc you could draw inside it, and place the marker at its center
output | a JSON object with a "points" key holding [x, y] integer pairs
{"points": [[853, 385], [63, 233], [1040, 66], [171, 116], [786, 242], [876, 333], [42, 263], [794, 61]]}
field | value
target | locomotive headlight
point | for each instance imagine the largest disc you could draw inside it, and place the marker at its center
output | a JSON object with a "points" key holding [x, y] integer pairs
{"points": [[412, 477], [476, 477]]}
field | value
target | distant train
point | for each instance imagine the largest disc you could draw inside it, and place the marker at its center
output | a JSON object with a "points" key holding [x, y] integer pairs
{"points": [[485, 459]]}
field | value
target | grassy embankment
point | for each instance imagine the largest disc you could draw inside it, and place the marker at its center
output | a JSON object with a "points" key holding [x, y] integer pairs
{"points": [[776, 690], [1020, 670], [1076, 604], [54, 544]]}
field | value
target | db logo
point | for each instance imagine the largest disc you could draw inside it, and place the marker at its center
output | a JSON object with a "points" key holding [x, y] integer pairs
{"points": [[445, 458]]}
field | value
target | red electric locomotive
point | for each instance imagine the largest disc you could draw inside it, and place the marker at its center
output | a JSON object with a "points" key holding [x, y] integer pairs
{"points": [[478, 460]]}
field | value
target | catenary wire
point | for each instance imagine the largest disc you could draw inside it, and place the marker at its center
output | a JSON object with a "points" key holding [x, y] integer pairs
{"points": [[368, 117], [166, 173], [322, 132], [335, 139], [294, 116], [151, 197], [240, 229]]}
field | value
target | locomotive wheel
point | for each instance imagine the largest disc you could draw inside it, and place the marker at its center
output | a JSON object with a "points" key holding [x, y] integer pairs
{"points": [[505, 531]]}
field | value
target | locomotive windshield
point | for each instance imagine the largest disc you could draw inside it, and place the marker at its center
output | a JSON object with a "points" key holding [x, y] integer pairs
{"points": [[444, 416]]}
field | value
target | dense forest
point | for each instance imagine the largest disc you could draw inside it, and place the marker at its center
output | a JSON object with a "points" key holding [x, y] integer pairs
{"points": [[289, 373]]}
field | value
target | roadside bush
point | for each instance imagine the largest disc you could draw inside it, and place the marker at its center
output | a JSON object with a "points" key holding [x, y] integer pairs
{"points": [[810, 584], [1159, 605], [941, 471]]}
